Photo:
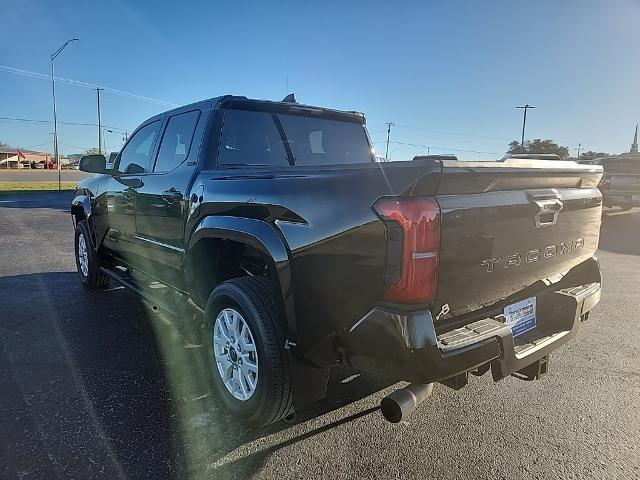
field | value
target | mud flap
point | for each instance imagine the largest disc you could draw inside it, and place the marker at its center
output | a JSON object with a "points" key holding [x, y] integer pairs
{"points": [[308, 384]]}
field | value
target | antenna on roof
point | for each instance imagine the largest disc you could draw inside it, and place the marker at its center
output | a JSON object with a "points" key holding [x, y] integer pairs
{"points": [[291, 98]]}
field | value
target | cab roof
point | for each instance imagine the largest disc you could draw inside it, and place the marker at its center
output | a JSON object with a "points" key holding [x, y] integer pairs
{"points": [[245, 103]]}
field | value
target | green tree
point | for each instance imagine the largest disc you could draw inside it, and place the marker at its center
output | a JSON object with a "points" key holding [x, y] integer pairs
{"points": [[514, 147], [537, 145], [590, 155], [91, 151]]}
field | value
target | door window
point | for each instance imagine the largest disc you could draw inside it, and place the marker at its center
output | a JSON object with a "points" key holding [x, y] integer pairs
{"points": [[176, 141], [134, 158]]}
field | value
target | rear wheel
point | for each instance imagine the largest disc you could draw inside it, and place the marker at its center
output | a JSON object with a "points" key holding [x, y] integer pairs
{"points": [[245, 341], [86, 259]]}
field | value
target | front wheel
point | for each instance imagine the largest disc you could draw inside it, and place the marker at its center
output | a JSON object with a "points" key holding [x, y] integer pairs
{"points": [[87, 260], [245, 340]]}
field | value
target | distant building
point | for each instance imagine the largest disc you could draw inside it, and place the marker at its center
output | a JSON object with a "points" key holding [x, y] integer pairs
{"points": [[74, 158], [9, 158]]}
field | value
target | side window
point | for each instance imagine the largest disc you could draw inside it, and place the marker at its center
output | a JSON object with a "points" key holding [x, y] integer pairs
{"points": [[250, 138], [315, 142], [134, 158], [176, 141]]}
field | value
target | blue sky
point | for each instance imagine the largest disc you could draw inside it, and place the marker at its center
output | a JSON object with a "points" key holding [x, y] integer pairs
{"points": [[449, 74]]}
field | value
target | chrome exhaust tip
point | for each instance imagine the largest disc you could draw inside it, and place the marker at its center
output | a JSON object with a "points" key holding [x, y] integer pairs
{"points": [[398, 405]]}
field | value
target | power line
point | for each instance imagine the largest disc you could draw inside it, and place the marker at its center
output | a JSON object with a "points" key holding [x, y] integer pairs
{"points": [[28, 147], [452, 133], [439, 148], [32, 120], [78, 83], [74, 146]]}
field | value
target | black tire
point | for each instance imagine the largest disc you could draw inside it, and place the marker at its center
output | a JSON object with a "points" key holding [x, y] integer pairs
{"points": [[256, 299], [93, 278]]}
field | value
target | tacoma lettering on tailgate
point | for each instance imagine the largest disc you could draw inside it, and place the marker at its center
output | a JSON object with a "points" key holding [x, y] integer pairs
{"points": [[516, 259]]}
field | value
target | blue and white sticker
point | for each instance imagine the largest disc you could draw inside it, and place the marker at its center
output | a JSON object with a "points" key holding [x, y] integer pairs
{"points": [[521, 316]]}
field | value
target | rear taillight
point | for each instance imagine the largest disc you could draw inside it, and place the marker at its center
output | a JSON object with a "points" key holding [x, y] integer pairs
{"points": [[413, 238]]}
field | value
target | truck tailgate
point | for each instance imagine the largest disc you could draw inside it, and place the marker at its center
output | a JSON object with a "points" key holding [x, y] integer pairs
{"points": [[505, 226], [625, 183]]}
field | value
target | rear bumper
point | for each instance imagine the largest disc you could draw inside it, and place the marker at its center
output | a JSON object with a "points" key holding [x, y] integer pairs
{"points": [[405, 346]]}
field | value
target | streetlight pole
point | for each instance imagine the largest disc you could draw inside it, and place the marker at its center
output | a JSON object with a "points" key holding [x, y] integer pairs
{"points": [[524, 123], [100, 133], [55, 118]]}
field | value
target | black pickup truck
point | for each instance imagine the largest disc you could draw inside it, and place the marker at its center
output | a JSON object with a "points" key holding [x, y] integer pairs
{"points": [[620, 185], [302, 252]]}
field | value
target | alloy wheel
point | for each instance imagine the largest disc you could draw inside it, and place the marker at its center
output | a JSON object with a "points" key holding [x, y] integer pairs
{"points": [[83, 256], [235, 354]]}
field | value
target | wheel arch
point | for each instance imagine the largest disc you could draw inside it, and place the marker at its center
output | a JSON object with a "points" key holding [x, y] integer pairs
{"points": [[256, 235], [80, 208]]}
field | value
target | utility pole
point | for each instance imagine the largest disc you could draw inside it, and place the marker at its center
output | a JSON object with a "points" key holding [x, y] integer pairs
{"points": [[579, 146], [55, 119], [389, 125], [524, 123], [98, 90]]}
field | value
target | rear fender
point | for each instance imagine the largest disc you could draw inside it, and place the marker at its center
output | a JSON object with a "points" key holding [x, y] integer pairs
{"points": [[309, 383], [264, 238]]}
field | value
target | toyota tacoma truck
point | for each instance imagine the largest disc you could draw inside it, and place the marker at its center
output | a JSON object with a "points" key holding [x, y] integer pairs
{"points": [[620, 185], [301, 252]]}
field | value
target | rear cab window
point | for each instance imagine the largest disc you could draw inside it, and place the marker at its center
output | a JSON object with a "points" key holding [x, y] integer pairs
{"points": [[251, 138], [259, 138]]}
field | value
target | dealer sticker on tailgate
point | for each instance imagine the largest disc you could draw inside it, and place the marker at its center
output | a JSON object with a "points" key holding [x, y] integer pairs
{"points": [[521, 316]]}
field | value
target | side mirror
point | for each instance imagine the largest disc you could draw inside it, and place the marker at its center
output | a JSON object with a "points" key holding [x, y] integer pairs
{"points": [[93, 164], [134, 168], [111, 161]]}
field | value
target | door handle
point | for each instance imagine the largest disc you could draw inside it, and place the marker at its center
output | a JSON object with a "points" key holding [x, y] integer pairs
{"points": [[129, 193], [171, 195]]}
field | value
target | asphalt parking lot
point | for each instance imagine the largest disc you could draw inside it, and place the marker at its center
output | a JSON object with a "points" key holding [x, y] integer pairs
{"points": [[98, 385], [41, 175]]}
